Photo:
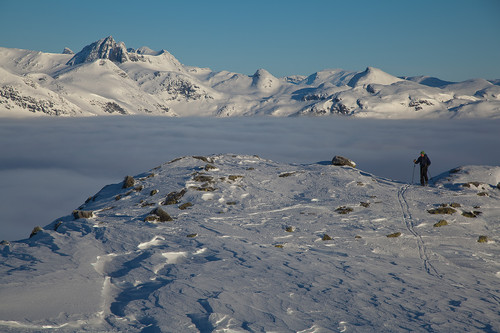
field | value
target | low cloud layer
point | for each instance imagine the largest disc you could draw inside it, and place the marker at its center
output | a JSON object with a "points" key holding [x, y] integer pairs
{"points": [[48, 167]]}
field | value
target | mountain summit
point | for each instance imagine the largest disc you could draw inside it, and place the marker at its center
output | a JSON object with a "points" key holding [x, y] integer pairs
{"points": [[237, 243], [105, 48], [372, 75], [264, 81]]}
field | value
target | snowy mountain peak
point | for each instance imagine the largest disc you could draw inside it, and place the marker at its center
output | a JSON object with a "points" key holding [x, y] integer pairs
{"points": [[147, 51], [105, 48], [264, 81], [67, 50], [372, 75]]}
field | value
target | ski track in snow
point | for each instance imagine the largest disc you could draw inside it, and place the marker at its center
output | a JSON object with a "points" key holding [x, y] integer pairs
{"points": [[408, 220]]}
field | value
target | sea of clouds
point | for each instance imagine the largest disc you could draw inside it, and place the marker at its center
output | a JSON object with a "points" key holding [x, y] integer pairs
{"points": [[50, 166]]}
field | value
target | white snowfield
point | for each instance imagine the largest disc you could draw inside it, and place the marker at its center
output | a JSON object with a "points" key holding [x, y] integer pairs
{"points": [[234, 243], [107, 78]]}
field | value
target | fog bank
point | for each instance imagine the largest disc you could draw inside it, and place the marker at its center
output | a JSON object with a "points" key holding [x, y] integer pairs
{"points": [[49, 166]]}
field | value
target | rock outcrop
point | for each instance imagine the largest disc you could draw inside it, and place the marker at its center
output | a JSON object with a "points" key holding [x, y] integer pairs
{"points": [[343, 161]]}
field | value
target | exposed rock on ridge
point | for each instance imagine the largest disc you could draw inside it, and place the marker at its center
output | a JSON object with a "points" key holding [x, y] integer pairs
{"points": [[105, 48]]}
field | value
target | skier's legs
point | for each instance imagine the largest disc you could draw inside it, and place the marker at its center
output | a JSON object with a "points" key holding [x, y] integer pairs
{"points": [[423, 176]]}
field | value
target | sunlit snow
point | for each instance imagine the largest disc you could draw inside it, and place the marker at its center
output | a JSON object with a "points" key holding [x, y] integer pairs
{"points": [[280, 248]]}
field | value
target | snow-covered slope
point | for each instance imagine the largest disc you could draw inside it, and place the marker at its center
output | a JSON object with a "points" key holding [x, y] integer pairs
{"points": [[233, 243], [372, 76], [107, 78]]}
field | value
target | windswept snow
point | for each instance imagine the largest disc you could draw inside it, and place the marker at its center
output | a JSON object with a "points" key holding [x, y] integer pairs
{"points": [[260, 246]]}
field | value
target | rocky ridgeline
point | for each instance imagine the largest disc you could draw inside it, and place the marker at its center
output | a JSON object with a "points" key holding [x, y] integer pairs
{"points": [[11, 96], [159, 202]]}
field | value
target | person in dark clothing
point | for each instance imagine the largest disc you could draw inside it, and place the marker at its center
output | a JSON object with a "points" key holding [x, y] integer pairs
{"points": [[424, 162]]}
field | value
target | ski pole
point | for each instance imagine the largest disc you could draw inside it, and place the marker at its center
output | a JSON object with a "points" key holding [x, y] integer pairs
{"points": [[413, 174]]}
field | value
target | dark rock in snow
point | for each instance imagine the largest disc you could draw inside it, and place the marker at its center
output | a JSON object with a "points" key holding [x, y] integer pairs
{"points": [[340, 161], [105, 48], [35, 231], [82, 214], [472, 214], [185, 206], [158, 215], [442, 210], [112, 107], [483, 239], [163, 215], [128, 182], [441, 223], [344, 210], [174, 197]]}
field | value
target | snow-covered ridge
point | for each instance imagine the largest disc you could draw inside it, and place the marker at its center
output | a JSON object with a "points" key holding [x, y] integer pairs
{"points": [[143, 81], [243, 244]]}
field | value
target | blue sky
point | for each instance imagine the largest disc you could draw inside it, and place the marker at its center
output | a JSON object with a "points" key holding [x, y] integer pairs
{"points": [[454, 40]]}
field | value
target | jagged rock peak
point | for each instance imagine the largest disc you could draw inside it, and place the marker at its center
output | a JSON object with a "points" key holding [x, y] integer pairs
{"points": [[105, 48], [67, 51]]}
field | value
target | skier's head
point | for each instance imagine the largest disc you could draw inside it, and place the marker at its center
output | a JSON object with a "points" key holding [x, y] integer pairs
{"points": [[422, 153]]}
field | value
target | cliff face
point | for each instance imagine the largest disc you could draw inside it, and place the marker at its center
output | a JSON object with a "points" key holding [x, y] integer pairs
{"points": [[105, 48]]}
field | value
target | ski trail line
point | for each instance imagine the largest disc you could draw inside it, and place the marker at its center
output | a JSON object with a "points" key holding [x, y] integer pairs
{"points": [[407, 218]]}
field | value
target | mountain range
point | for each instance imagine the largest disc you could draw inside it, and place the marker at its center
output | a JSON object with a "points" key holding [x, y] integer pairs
{"points": [[106, 78]]}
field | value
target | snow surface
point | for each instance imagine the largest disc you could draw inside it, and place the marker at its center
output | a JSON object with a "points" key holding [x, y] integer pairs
{"points": [[250, 254], [105, 78]]}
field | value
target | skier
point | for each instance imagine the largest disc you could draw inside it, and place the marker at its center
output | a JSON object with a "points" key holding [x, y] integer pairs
{"points": [[424, 165]]}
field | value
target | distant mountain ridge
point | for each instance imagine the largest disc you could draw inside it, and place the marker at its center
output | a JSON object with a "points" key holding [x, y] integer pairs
{"points": [[107, 78]]}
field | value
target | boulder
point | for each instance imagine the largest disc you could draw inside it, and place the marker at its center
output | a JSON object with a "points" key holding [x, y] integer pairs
{"points": [[340, 160], [128, 182], [174, 197], [442, 210], [82, 214], [36, 230]]}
